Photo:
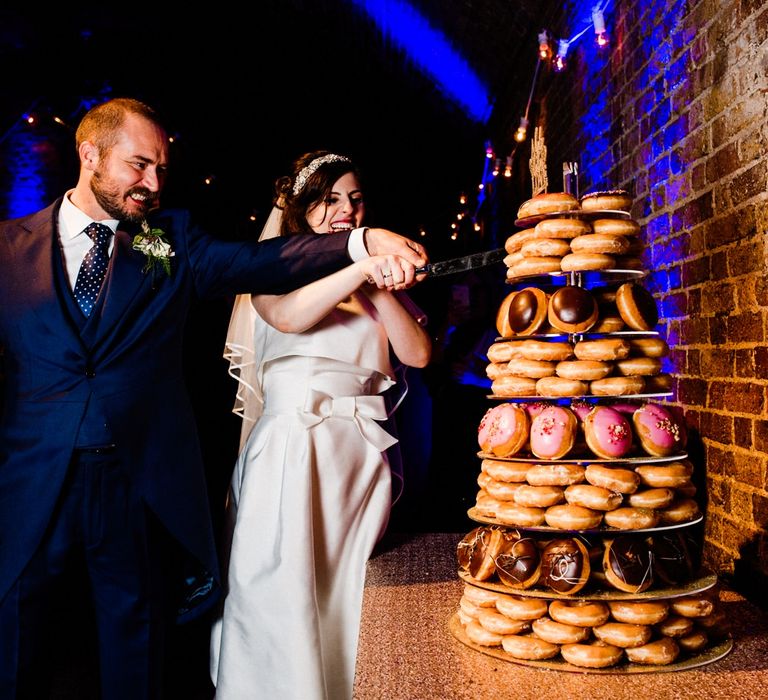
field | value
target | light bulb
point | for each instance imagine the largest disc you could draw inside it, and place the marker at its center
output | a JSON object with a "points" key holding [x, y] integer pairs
{"points": [[522, 130], [497, 167], [545, 48], [562, 52], [601, 36], [488, 150], [508, 167]]}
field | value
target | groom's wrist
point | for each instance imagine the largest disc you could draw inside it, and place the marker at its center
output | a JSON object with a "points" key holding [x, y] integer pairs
{"points": [[356, 244]]}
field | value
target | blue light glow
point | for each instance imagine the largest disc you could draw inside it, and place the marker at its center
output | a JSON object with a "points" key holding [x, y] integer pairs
{"points": [[27, 162], [429, 49]]}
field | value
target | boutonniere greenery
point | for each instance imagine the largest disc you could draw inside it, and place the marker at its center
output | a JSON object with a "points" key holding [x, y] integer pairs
{"points": [[151, 242]]}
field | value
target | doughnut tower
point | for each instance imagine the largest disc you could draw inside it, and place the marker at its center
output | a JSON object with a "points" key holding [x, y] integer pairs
{"points": [[585, 550]]}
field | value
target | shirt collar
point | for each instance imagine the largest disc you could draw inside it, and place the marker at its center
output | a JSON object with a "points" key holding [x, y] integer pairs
{"points": [[72, 221]]}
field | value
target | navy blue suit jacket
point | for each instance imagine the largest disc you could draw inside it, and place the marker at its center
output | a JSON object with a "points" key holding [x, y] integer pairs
{"points": [[132, 365]]}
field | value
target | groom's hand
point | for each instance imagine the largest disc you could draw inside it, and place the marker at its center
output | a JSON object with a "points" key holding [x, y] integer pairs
{"points": [[380, 241]]}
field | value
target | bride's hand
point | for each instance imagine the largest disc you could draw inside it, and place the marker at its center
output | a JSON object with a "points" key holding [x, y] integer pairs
{"points": [[388, 272]]}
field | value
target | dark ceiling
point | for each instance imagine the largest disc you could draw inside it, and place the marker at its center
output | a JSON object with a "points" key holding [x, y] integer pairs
{"points": [[248, 90]]}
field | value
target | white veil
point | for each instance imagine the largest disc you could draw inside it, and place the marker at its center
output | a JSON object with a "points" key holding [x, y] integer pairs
{"points": [[239, 347]]}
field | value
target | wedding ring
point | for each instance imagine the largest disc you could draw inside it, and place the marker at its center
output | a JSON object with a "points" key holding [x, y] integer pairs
{"points": [[389, 274], [369, 279]]}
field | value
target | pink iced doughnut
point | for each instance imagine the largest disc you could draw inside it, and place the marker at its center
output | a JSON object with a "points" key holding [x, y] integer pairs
{"points": [[608, 433], [536, 407], [503, 430], [660, 433], [553, 432], [581, 409]]}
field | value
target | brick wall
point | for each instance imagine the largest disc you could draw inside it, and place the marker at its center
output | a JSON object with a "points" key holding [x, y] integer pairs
{"points": [[677, 114]]}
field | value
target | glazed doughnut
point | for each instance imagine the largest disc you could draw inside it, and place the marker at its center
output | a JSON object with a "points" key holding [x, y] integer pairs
{"points": [[687, 490], [494, 621], [521, 608], [628, 564], [608, 322], [638, 366], [559, 386], [534, 266], [628, 518], [512, 259], [480, 635], [651, 498], [648, 347], [692, 606], [519, 516], [503, 351], [503, 430], [583, 370], [669, 475], [562, 228], [508, 385], [581, 613], [616, 227], [715, 624], [553, 433], [659, 384], [550, 351], [629, 262], [572, 309], [562, 474], [637, 306], [647, 612], [545, 247], [528, 648], [502, 490], [660, 652], [675, 626], [693, 641], [514, 243], [494, 370], [469, 608], [505, 471], [593, 497], [573, 518], [538, 496], [547, 203], [523, 367], [636, 246], [527, 311], [597, 655], [483, 479], [604, 243], [610, 200], [565, 565], [608, 433], [658, 430], [576, 262], [519, 565], [463, 617], [612, 478], [602, 349], [485, 504], [623, 634], [557, 632], [680, 511], [617, 386], [482, 597]]}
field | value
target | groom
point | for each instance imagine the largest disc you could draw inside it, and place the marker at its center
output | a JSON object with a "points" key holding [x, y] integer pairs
{"points": [[100, 467]]}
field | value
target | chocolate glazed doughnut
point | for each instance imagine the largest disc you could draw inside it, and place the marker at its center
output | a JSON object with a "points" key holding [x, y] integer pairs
{"points": [[565, 565], [628, 564], [572, 309], [519, 565]]}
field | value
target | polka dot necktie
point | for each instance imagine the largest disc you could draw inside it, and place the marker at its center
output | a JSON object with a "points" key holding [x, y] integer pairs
{"points": [[94, 267]]}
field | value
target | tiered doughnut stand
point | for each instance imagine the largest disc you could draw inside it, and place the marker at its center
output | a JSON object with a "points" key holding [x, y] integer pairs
{"points": [[612, 599]]}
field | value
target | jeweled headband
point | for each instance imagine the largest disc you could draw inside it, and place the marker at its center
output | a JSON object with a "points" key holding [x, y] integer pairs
{"points": [[309, 169]]}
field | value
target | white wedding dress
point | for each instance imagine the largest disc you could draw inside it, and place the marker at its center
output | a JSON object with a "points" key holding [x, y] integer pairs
{"points": [[310, 497]]}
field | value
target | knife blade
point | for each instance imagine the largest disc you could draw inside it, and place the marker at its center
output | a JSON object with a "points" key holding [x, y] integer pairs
{"points": [[468, 262]]}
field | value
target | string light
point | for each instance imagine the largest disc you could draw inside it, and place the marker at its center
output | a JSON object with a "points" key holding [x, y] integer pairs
{"points": [[508, 167], [462, 198], [522, 130], [545, 47], [497, 167], [488, 150], [562, 52], [601, 35]]}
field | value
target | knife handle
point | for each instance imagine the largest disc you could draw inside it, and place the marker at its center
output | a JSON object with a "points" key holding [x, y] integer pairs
{"points": [[424, 270]]}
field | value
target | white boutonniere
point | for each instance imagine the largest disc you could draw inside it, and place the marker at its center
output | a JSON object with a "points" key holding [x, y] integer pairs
{"points": [[151, 242]]}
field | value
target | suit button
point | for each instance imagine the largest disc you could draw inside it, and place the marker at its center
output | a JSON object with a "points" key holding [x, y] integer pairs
{"points": [[90, 372]]}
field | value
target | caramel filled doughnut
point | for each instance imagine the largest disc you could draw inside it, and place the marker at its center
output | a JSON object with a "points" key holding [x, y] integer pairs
{"points": [[693, 641], [521, 608], [680, 511], [514, 243], [628, 564], [502, 490], [553, 433], [649, 612], [480, 635], [661, 652], [604, 243], [577, 262], [547, 203], [503, 351], [612, 478], [503, 430], [559, 386], [562, 228], [538, 496], [508, 385], [563, 474], [557, 632], [519, 565], [527, 311], [536, 369], [660, 433], [623, 634], [637, 306], [533, 266], [596, 655], [607, 432], [520, 516], [494, 621], [669, 475], [648, 347], [616, 227], [545, 248], [481, 597], [528, 647], [582, 613], [602, 350], [675, 626], [583, 370], [628, 518], [565, 565], [651, 498], [572, 309], [617, 386], [593, 497], [610, 200], [505, 471], [550, 351], [692, 606], [638, 366], [573, 518]]}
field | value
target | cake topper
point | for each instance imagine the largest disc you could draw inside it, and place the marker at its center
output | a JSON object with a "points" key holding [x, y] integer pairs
{"points": [[538, 162]]}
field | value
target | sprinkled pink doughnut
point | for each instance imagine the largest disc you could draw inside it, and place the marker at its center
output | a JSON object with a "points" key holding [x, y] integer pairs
{"points": [[503, 430], [553, 432], [659, 431], [608, 433]]}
